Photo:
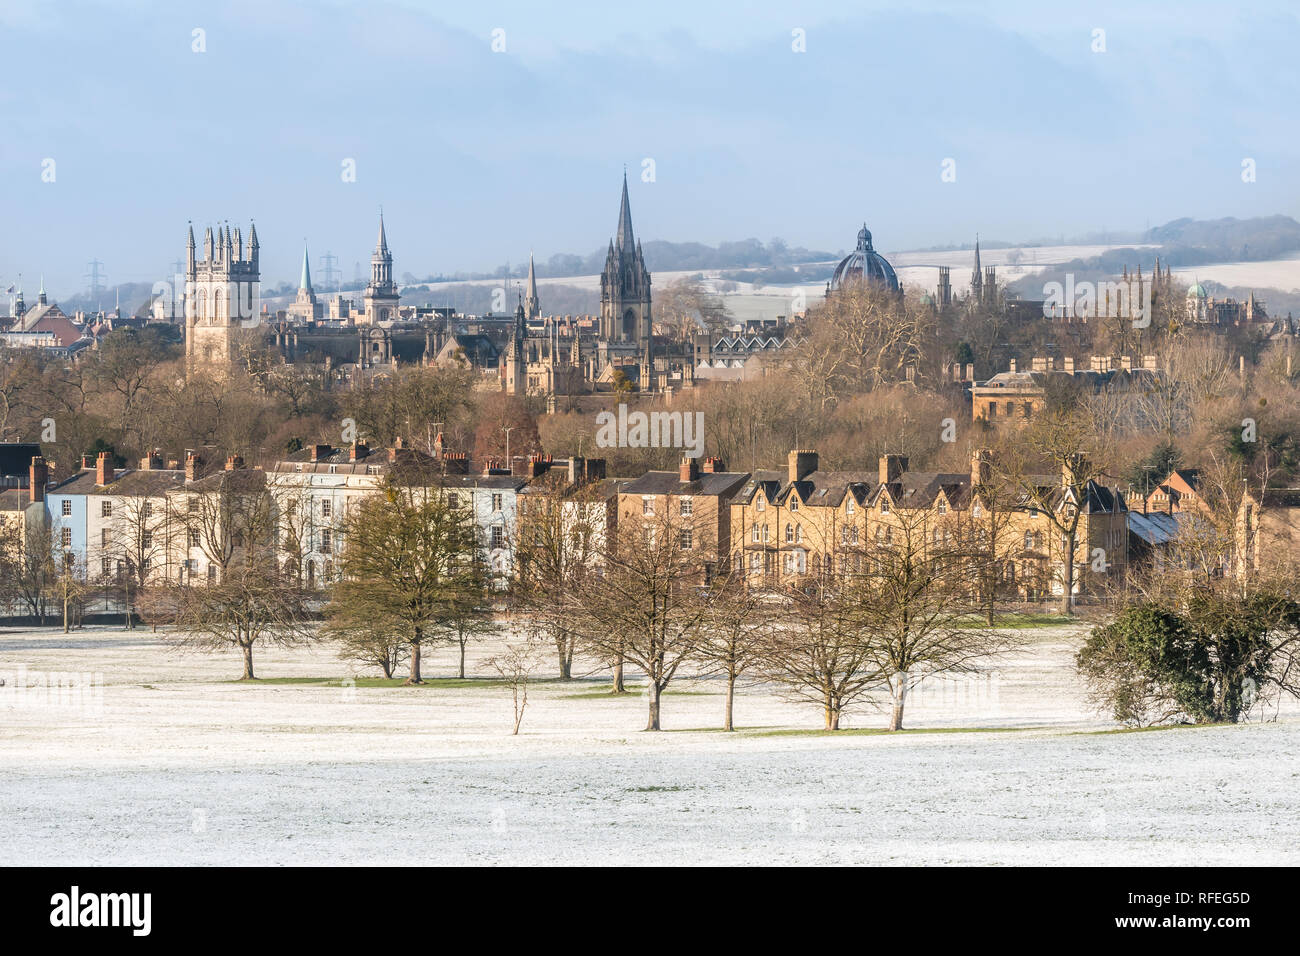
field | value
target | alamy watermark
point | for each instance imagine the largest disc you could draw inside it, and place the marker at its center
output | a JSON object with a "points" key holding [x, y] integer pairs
{"points": [[651, 430], [1123, 299], [51, 690]]}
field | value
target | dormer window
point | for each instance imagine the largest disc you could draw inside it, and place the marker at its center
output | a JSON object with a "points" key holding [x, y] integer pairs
{"points": [[943, 507], [849, 506], [760, 504], [794, 502], [884, 506]]}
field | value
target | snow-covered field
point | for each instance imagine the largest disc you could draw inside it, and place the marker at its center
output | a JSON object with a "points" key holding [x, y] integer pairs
{"points": [[177, 764]]}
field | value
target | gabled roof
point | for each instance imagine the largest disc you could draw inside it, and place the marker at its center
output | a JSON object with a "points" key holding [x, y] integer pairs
{"points": [[670, 483]]}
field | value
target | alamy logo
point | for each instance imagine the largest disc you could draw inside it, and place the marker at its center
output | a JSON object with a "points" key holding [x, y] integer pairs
{"points": [[1128, 299], [74, 909], [651, 430]]}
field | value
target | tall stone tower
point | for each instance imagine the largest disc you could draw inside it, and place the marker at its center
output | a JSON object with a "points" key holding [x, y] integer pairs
{"points": [[380, 299], [625, 285], [222, 295]]}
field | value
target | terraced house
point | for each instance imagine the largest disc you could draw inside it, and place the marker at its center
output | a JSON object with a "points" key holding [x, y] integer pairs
{"points": [[693, 503], [787, 524]]}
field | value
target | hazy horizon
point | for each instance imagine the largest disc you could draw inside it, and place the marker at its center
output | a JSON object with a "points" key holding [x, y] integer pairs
{"points": [[479, 157]]}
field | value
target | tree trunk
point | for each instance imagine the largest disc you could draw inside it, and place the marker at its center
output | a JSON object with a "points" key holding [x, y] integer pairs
{"points": [[653, 690], [415, 660], [1067, 600], [899, 688], [833, 718], [65, 614], [462, 660], [564, 646], [619, 687], [247, 648], [731, 699]]}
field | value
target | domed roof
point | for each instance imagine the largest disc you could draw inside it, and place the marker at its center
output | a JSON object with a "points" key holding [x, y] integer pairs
{"points": [[864, 263], [1197, 292]]}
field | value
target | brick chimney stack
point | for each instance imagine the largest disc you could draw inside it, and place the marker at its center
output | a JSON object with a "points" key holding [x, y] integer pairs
{"points": [[358, 451], [39, 477], [689, 469], [714, 466], [193, 466], [800, 464], [320, 451], [103, 469], [234, 462], [892, 468]]}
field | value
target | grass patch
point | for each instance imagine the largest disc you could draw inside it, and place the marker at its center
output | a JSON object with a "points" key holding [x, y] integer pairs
{"points": [[430, 683], [1016, 620], [1147, 730], [881, 731], [633, 692], [602, 692]]}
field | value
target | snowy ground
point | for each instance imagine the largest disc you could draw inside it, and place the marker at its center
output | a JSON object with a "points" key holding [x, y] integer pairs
{"points": [[177, 764]]}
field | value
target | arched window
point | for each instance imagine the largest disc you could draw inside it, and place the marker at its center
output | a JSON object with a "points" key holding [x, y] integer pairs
{"points": [[798, 533], [218, 304], [756, 534], [789, 533]]}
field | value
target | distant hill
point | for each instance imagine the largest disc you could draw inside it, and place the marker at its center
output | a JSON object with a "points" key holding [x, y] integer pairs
{"points": [[1236, 240], [1181, 243]]}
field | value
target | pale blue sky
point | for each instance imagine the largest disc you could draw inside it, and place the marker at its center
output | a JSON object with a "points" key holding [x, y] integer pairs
{"points": [[479, 156]]}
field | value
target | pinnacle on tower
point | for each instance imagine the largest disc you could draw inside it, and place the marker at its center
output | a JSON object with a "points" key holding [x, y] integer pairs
{"points": [[381, 247]]}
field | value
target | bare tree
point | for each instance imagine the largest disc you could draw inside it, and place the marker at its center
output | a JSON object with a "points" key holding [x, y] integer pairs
{"points": [[648, 602], [816, 651], [1062, 438], [734, 633], [559, 533], [516, 666], [251, 602], [915, 605]]}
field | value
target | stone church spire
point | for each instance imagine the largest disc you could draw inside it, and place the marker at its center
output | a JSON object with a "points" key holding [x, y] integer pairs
{"points": [[304, 281], [531, 303], [625, 241]]}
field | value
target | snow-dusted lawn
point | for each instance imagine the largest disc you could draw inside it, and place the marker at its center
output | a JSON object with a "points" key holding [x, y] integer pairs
{"points": [[181, 765]]}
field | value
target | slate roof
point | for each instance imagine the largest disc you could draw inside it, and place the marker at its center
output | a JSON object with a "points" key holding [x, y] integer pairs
{"points": [[670, 483]]}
